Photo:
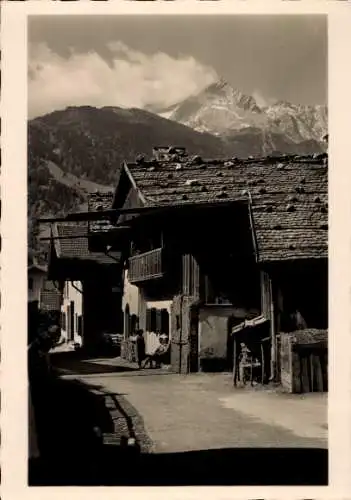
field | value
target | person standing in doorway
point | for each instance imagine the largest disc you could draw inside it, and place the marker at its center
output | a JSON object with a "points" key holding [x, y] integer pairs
{"points": [[140, 347]]}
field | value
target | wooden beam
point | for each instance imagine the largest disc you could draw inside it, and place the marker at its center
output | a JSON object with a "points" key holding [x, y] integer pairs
{"points": [[113, 213], [252, 228], [133, 183], [92, 216], [116, 229], [235, 359]]}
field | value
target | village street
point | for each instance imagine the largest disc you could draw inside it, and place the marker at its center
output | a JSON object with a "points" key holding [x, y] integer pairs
{"points": [[195, 428], [204, 411]]}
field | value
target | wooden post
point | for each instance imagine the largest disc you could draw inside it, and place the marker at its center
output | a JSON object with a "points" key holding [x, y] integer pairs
{"points": [[273, 334], [235, 370], [262, 364], [319, 374], [312, 372], [291, 365]]}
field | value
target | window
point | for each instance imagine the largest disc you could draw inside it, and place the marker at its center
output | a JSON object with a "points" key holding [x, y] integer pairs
{"points": [[133, 323], [30, 283], [158, 321], [178, 321], [213, 295]]}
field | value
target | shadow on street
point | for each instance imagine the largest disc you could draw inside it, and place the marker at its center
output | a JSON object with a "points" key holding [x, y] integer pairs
{"points": [[68, 412], [83, 434], [73, 362]]}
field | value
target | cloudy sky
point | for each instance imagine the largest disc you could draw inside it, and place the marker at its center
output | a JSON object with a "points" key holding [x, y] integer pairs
{"points": [[156, 61]]}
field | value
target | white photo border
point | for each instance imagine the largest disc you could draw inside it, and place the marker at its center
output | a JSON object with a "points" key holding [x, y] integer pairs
{"points": [[14, 245]]}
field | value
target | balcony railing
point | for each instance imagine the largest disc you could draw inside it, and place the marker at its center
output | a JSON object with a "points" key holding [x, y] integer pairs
{"points": [[146, 266]]}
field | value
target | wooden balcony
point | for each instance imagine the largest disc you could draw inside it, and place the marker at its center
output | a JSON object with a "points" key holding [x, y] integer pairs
{"points": [[146, 266]]}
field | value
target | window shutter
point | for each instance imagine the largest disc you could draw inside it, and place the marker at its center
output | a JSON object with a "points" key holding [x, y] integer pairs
{"points": [[164, 321], [153, 320], [148, 320]]}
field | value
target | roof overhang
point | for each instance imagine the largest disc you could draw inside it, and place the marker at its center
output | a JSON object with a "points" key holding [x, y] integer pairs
{"points": [[249, 324], [150, 209], [182, 209], [75, 269]]}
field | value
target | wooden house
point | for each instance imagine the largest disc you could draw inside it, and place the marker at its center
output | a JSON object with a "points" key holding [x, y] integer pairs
{"points": [[90, 283], [36, 279], [235, 250]]}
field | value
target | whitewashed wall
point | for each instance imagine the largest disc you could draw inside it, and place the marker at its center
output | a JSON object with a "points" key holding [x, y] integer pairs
{"points": [[71, 293], [38, 278]]}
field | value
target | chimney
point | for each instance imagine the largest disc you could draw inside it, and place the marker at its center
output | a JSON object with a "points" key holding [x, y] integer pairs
{"points": [[168, 153]]}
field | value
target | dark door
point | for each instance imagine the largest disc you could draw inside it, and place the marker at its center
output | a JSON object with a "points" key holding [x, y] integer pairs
{"points": [[194, 342], [164, 322], [324, 367], [230, 345], [313, 370], [232, 321], [71, 330], [68, 325], [80, 326]]}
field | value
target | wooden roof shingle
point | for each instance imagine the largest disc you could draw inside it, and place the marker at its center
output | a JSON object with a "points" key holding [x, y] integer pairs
{"points": [[288, 196], [96, 202], [73, 244], [50, 297]]}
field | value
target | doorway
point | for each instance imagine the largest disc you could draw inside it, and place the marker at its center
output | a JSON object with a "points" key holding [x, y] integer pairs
{"points": [[72, 317], [194, 341], [232, 321], [126, 322]]}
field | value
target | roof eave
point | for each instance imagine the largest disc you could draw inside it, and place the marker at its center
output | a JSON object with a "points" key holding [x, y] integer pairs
{"points": [[134, 184], [277, 260]]}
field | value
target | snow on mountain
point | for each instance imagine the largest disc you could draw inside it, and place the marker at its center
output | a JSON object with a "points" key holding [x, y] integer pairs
{"points": [[222, 110], [298, 122]]}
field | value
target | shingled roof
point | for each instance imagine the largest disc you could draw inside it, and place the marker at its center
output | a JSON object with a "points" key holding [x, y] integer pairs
{"points": [[309, 336], [288, 196], [50, 297], [73, 244], [96, 202]]}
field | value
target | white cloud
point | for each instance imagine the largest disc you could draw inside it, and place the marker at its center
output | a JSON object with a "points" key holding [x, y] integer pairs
{"points": [[133, 79], [262, 101]]}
